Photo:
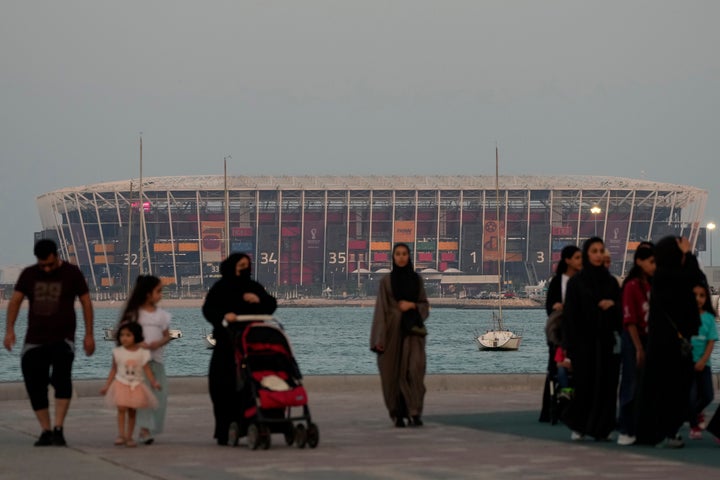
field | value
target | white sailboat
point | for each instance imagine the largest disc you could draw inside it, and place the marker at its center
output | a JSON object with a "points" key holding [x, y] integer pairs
{"points": [[109, 333], [498, 337]]}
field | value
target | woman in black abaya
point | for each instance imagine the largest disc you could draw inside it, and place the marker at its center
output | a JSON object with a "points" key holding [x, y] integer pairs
{"points": [[665, 387], [591, 327], [234, 294]]}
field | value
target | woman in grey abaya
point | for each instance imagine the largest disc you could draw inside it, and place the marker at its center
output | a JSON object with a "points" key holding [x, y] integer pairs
{"points": [[400, 351]]}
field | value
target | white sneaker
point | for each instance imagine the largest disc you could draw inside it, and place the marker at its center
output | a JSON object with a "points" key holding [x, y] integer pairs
{"points": [[576, 436], [624, 439]]}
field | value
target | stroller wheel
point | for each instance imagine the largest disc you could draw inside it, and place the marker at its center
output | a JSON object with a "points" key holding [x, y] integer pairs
{"points": [[253, 437], [289, 435], [313, 435], [300, 435], [264, 439]]}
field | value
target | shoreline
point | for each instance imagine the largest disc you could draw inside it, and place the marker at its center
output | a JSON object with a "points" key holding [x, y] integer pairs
{"points": [[369, 302]]}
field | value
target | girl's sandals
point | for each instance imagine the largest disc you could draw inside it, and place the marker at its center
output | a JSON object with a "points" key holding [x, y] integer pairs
{"points": [[119, 441], [130, 443]]}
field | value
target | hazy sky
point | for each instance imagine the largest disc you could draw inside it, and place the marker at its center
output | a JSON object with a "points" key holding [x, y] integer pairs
{"points": [[621, 88]]}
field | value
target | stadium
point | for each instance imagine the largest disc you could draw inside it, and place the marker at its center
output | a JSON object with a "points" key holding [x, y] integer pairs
{"points": [[322, 234]]}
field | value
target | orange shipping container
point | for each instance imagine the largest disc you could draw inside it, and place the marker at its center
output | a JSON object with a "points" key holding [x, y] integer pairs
{"points": [[163, 247], [188, 247], [380, 246]]}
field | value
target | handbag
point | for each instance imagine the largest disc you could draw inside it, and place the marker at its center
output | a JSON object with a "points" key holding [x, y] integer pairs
{"points": [[686, 348], [684, 345], [412, 323]]}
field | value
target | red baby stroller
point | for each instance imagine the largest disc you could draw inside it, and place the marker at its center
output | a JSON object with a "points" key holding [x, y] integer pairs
{"points": [[271, 389]]}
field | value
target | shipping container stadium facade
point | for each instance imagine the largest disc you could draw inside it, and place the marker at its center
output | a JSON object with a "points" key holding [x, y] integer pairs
{"points": [[315, 232]]}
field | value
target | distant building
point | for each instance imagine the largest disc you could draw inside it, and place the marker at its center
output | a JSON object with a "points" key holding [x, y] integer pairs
{"points": [[314, 232]]}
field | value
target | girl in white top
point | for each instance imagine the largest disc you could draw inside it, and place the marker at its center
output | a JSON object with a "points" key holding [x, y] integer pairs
{"points": [[125, 387], [155, 322]]}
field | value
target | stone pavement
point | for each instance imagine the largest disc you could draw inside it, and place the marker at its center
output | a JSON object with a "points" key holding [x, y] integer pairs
{"points": [[477, 427]]}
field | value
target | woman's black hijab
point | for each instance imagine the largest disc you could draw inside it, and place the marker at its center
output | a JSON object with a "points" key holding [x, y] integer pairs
{"points": [[229, 265], [404, 280], [596, 275]]}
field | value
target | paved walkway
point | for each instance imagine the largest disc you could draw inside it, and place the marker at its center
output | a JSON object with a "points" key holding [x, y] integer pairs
{"points": [[477, 427]]}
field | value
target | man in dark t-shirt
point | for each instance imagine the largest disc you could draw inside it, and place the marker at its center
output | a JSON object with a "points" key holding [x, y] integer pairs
{"points": [[51, 286]]}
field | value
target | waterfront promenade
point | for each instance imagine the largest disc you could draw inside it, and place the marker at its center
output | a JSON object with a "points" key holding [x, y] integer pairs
{"points": [[477, 427]]}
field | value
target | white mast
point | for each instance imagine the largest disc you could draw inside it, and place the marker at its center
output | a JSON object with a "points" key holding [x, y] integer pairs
{"points": [[227, 209], [499, 229]]}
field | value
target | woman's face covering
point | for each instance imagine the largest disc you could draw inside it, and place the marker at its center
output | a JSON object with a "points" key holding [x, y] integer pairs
{"points": [[241, 265]]}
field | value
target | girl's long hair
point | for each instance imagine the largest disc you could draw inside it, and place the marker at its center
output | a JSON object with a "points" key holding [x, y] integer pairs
{"points": [[144, 285], [644, 251], [567, 253], [708, 307]]}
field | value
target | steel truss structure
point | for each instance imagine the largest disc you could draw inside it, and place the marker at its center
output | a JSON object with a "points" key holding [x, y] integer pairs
{"points": [[314, 232]]}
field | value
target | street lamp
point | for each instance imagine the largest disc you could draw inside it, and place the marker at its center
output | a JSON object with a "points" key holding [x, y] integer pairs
{"points": [[595, 210], [710, 227]]}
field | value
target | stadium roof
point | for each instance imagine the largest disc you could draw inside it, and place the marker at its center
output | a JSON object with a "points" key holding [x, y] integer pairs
{"points": [[380, 182]]}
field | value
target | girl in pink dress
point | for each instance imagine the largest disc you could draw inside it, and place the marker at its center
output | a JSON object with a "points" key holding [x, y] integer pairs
{"points": [[125, 387]]}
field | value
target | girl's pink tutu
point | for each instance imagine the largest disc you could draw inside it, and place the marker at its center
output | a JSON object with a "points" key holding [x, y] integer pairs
{"points": [[121, 395]]}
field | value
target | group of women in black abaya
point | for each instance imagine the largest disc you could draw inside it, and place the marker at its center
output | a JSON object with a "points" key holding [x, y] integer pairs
{"points": [[591, 331]]}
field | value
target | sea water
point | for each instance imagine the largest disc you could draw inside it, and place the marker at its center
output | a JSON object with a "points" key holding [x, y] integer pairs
{"points": [[325, 340]]}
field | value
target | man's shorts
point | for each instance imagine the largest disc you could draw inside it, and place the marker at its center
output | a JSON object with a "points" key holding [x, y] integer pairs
{"points": [[44, 365]]}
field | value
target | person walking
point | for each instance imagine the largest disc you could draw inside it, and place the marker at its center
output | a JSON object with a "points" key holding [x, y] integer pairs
{"points": [[233, 295], [591, 322], [636, 307], [125, 387], [142, 307], [673, 319], [397, 336], [51, 286], [570, 263]]}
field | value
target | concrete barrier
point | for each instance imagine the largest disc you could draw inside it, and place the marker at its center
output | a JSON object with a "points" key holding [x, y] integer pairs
{"points": [[320, 383]]}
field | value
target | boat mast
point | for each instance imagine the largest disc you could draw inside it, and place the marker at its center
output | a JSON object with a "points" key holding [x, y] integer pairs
{"points": [[129, 243], [142, 213], [227, 209], [497, 219]]}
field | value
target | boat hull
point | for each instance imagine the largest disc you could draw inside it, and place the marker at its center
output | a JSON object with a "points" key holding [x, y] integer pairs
{"points": [[499, 340], [109, 334]]}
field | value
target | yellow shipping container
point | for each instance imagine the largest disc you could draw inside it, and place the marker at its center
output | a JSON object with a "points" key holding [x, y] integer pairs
{"points": [[447, 245]]}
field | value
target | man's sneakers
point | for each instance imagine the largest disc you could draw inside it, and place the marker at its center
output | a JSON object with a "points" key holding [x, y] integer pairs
{"points": [[58, 438], [45, 439], [625, 439], [696, 433], [51, 437]]}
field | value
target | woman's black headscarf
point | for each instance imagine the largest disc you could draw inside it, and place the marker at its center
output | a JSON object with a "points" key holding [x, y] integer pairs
{"points": [[668, 254], [229, 265], [404, 280], [595, 274]]}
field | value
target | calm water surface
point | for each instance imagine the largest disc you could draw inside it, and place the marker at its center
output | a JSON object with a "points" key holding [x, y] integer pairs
{"points": [[328, 340]]}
